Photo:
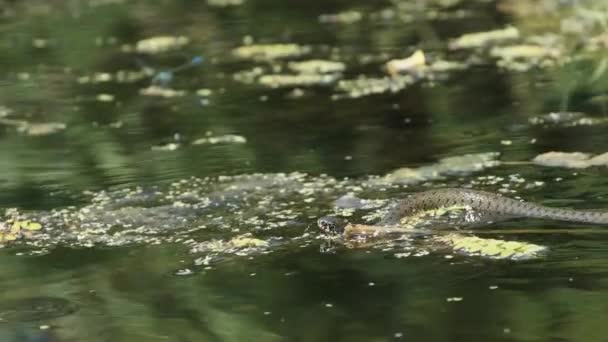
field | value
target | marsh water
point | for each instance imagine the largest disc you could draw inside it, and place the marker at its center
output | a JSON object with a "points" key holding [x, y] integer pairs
{"points": [[211, 152]]}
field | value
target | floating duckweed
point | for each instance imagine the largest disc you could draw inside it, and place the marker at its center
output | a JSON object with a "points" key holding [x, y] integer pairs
{"points": [[121, 76], [5, 111], [347, 17], [565, 119], [40, 43], [271, 51], [317, 66], [524, 57], [301, 80], [161, 92], [451, 165], [105, 97], [167, 147], [524, 51], [225, 3], [454, 299], [41, 129], [365, 86], [204, 92], [247, 241], [492, 248], [222, 139], [482, 39], [248, 76], [160, 44], [446, 66]]}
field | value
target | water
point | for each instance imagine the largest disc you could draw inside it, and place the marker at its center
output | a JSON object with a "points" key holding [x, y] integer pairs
{"points": [[296, 289]]}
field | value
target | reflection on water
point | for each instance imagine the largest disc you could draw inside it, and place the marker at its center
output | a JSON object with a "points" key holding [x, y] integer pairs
{"points": [[107, 113]]}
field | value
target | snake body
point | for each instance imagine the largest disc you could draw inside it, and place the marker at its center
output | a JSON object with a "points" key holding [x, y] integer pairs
{"points": [[479, 207], [486, 204]]}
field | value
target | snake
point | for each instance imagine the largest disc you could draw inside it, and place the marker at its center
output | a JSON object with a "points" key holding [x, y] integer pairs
{"points": [[456, 208]]}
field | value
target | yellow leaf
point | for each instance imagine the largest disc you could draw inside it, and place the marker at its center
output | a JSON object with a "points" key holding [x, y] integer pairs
{"points": [[33, 226], [9, 237], [16, 227]]}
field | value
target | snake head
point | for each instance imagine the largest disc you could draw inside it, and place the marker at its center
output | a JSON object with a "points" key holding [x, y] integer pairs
{"points": [[331, 225]]}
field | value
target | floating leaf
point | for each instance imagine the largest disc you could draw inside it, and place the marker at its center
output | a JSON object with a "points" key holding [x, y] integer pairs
{"points": [[32, 226]]}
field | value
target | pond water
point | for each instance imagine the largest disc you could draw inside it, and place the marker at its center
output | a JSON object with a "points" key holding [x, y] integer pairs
{"points": [[177, 165]]}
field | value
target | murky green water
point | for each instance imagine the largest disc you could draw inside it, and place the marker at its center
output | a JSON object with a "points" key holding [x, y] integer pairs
{"points": [[140, 213]]}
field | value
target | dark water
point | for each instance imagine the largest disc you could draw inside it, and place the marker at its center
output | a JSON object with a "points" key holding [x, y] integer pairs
{"points": [[293, 294]]}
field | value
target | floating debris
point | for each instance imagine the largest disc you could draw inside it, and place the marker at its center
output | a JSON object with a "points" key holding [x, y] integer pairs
{"points": [[105, 97], [41, 129], [248, 76], [184, 272], [524, 57], [445, 66], [121, 76], [161, 92], [222, 139], [296, 93], [317, 66], [266, 52], [447, 166], [573, 160], [225, 3], [167, 147], [598, 42], [483, 39], [242, 245], [203, 92], [160, 44], [454, 299], [5, 111], [365, 86], [40, 43], [301, 80], [524, 52], [415, 63], [347, 17], [13, 229], [565, 119]]}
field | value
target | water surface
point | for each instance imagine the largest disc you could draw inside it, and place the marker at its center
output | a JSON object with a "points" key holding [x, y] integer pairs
{"points": [[294, 291]]}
